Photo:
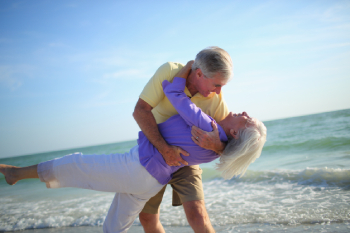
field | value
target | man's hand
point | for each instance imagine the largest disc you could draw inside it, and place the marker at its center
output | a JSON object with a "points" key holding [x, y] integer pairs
{"points": [[148, 125], [172, 157], [208, 140], [185, 71]]}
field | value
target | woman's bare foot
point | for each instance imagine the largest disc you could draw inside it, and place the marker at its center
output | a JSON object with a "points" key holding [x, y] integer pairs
{"points": [[9, 172]]}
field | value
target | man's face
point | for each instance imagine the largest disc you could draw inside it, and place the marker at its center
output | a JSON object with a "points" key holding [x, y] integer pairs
{"points": [[207, 85]]}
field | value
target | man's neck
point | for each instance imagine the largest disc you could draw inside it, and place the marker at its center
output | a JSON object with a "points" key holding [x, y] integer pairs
{"points": [[190, 83]]}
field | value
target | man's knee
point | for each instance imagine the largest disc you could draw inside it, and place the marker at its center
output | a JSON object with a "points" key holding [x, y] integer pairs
{"points": [[148, 219], [196, 213], [151, 223]]}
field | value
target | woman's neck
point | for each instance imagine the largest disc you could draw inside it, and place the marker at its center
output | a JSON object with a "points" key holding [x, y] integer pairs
{"points": [[224, 127]]}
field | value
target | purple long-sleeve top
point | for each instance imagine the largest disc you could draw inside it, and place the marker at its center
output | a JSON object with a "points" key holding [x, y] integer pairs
{"points": [[177, 131]]}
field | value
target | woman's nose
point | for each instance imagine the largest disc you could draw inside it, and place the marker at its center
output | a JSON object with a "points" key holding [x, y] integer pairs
{"points": [[245, 114]]}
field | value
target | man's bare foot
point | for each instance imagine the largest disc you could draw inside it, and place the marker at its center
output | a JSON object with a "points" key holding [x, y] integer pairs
{"points": [[9, 173]]}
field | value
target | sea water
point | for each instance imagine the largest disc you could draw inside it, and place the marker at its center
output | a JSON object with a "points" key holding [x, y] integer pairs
{"points": [[301, 181]]}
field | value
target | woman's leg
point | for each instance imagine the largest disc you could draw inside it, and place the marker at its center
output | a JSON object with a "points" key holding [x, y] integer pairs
{"points": [[127, 205], [123, 211], [107, 173], [120, 173], [13, 174]]}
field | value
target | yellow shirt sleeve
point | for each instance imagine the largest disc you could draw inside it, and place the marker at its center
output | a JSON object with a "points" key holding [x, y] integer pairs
{"points": [[153, 91]]}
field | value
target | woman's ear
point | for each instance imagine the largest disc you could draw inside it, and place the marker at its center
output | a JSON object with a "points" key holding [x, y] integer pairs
{"points": [[234, 134]]}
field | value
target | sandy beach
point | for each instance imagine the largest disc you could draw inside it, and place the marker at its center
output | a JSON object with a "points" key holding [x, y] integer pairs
{"points": [[333, 227]]}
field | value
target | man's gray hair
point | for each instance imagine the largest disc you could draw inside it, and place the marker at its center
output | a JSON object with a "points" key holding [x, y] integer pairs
{"points": [[214, 60], [240, 153]]}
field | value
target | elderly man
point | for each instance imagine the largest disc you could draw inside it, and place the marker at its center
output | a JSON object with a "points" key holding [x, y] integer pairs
{"points": [[211, 70]]}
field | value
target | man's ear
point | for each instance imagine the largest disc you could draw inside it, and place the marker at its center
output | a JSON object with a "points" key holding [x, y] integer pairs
{"points": [[234, 134], [199, 73]]}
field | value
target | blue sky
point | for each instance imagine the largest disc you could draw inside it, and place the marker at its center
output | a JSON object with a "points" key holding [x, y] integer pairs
{"points": [[71, 71]]}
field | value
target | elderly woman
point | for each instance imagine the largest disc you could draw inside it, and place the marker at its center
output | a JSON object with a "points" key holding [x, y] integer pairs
{"points": [[139, 174]]}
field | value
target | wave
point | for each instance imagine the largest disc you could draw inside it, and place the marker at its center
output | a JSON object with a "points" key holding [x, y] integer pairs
{"points": [[322, 144], [322, 177], [267, 197]]}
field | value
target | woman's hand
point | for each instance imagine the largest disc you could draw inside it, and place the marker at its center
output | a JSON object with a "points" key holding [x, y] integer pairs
{"points": [[208, 140], [185, 71]]}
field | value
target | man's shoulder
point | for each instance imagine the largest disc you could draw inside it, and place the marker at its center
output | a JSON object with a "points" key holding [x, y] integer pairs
{"points": [[169, 66], [176, 65], [167, 71]]}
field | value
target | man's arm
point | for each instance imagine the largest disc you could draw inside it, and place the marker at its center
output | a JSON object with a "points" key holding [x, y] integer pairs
{"points": [[147, 123], [145, 119]]}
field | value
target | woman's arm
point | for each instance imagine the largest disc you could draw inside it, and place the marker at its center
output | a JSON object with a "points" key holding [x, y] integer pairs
{"points": [[183, 105]]}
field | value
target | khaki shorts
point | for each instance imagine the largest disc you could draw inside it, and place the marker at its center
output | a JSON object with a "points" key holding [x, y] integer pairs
{"points": [[187, 186]]}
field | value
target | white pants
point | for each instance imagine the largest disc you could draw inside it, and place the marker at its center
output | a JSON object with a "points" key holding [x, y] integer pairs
{"points": [[120, 173]]}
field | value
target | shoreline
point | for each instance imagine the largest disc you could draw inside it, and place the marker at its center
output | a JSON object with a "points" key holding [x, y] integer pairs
{"points": [[326, 227]]}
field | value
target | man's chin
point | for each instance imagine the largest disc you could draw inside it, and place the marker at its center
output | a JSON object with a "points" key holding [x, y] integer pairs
{"points": [[205, 94]]}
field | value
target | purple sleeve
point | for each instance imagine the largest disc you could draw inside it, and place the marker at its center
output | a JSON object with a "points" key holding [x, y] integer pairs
{"points": [[182, 103]]}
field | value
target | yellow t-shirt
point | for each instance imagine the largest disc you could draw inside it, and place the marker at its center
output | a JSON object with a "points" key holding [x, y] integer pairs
{"points": [[213, 105]]}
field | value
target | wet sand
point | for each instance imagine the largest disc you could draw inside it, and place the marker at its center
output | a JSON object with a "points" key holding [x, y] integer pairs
{"points": [[332, 227]]}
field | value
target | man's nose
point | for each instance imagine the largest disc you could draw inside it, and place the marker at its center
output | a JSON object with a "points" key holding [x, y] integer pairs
{"points": [[218, 90]]}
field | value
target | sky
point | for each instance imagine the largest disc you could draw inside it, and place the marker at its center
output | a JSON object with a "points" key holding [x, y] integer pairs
{"points": [[71, 71]]}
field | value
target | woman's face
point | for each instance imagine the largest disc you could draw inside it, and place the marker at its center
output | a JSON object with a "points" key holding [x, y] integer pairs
{"points": [[239, 121]]}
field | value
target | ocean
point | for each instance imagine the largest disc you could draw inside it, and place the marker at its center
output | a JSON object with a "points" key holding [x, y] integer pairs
{"points": [[301, 182]]}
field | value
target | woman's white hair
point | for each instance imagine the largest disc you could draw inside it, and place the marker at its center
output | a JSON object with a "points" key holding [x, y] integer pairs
{"points": [[213, 60], [240, 153]]}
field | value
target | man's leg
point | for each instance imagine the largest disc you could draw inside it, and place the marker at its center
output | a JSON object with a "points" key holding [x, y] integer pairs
{"points": [[188, 190], [151, 223], [149, 217], [197, 216]]}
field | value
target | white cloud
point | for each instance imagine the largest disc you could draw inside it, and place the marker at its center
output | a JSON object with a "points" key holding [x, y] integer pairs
{"points": [[12, 76], [132, 73], [57, 44], [336, 13], [105, 99], [8, 79]]}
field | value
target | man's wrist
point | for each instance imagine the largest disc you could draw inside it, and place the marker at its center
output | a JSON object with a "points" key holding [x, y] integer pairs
{"points": [[164, 148]]}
